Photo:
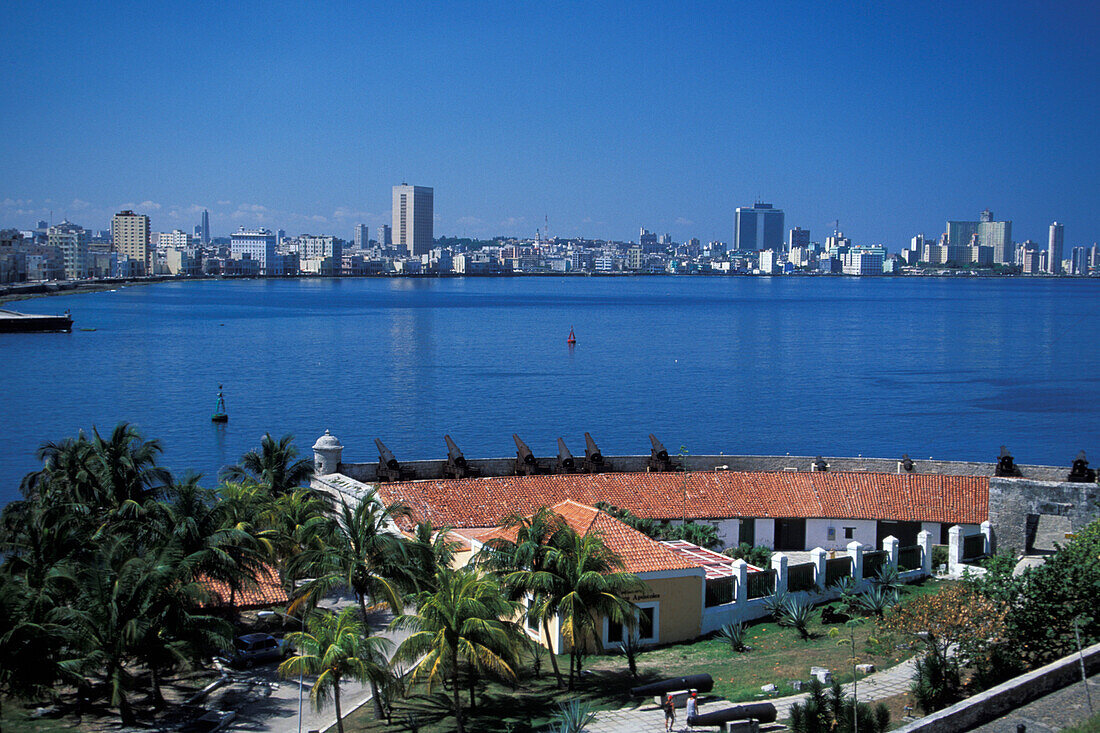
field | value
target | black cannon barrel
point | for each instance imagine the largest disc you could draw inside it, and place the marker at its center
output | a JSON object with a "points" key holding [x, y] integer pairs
{"points": [[454, 453], [564, 455], [762, 712], [592, 451], [523, 452], [659, 451], [385, 456], [700, 682]]}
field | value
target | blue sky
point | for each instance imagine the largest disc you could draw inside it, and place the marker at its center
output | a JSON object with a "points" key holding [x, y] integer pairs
{"points": [[603, 117]]}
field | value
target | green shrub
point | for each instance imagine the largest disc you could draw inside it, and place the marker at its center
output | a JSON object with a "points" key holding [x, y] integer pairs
{"points": [[734, 635], [759, 555]]}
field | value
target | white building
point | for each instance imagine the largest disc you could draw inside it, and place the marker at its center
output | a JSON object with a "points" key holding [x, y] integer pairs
{"points": [[362, 240], [768, 262], [72, 240], [257, 245], [863, 261], [413, 218]]}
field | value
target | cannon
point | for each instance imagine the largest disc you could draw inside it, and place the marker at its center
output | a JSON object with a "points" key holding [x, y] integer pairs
{"points": [[1005, 465], [658, 456], [1080, 473], [700, 682], [820, 464], [761, 712], [456, 467], [565, 463], [593, 459], [389, 468], [526, 463], [906, 463]]}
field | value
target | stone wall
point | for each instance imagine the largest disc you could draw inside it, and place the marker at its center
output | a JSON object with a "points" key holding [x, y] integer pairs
{"points": [[1008, 696], [1015, 505], [505, 466]]}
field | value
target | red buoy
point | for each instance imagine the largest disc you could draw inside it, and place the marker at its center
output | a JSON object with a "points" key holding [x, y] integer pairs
{"points": [[572, 339]]}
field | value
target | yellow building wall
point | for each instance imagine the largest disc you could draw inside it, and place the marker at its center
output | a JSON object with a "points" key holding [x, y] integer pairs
{"points": [[680, 609]]}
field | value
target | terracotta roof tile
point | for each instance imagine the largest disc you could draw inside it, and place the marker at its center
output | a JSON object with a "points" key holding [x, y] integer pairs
{"points": [[483, 502], [267, 592]]}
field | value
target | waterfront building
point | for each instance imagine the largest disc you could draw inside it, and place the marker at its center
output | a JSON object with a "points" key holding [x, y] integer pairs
{"points": [[634, 257], [837, 244], [413, 218], [130, 238], [362, 240], [72, 241], [175, 238], [990, 233], [182, 261], [863, 260], [257, 245], [648, 241], [1030, 262], [1094, 256], [758, 228], [1079, 264], [310, 245], [204, 227], [715, 249], [768, 262], [1054, 249], [798, 237], [799, 256]]}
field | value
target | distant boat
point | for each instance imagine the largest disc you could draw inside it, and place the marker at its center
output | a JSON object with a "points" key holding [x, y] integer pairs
{"points": [[220, 415], [572, 338]]}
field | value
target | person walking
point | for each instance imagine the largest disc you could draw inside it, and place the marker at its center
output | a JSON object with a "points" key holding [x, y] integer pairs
{"points": [[692, 707], [670, 713]]}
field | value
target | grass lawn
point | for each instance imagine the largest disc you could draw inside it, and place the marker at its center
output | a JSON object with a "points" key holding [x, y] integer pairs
{"points": [[778, 656]]}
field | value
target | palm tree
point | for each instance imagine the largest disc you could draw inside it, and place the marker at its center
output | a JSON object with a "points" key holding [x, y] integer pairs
{"points": [[126, 470], [461, 621], [243, 509], [300, 522], [273, 466], [523, 563], [592, 586], [361, 552], [429, 550], [335, 648]]}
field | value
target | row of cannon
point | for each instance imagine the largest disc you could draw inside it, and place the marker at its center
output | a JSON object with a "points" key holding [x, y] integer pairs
{"points": [[526, 464]]}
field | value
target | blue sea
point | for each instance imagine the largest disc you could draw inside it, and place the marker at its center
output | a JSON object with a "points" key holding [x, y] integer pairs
{"points": [[949, 368]]}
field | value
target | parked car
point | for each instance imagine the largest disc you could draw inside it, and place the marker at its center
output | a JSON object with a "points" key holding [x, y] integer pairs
{"points": [[252, 649]]}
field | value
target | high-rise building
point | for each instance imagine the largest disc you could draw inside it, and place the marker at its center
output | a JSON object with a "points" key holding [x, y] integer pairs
{"points": [[257, 245], [758, 228], [1079, 261], [1054, 249], [798, 237], [413, 213], [385, 236], [204, 231], [362, 240], [130, 239], [995, 234], [72, 240]]}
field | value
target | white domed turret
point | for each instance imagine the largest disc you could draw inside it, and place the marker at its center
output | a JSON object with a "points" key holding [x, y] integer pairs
{"points": [[327, 452]]}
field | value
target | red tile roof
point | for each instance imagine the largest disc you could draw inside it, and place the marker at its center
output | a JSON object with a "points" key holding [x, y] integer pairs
{"points": [[486, 502], [267, 592], [639, 553]]}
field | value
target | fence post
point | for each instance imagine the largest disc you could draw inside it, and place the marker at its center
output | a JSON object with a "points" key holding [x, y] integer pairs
{"points": [[742, 569], [855, 551], [987, 532], [954, 548], [890, 546], [779, 565], [924, 539], [818, 557]]}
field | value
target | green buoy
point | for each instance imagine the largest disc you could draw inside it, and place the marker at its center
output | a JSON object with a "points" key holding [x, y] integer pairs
{"points": [[220, 415]]}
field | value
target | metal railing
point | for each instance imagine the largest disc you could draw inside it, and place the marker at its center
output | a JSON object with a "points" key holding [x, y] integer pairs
{"points": [[761, 584], [910, 558], [837, 569], [801, 577], [873, 562], [720, 591], [973, 546]]}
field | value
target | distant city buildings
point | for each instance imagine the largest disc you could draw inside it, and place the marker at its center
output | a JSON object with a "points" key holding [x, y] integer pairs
{"points": [[130, 240], [362, 239], [963, 235], [385, 236], [257, 245], [1054, 249], [413, 218], [758, 228], [798, 237], [204, 227], [72, 242]]}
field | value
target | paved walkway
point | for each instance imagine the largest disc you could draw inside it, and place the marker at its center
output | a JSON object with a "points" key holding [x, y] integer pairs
{"points": [[1060, 709], [648, 717]]}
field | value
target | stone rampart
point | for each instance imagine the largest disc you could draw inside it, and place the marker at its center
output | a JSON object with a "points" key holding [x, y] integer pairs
{"points": [[1016, 504], [505, 466], [1008, 696]]}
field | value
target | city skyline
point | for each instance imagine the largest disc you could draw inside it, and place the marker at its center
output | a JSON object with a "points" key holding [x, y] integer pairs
{"points": [[668, 120]]}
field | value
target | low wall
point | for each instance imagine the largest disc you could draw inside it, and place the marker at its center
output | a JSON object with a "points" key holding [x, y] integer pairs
{"points": [[1013, 501], [433, 469], [1008, 696]]}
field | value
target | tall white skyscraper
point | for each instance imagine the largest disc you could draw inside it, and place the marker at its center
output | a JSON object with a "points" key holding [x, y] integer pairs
{"points": [[1054, 249], [204, 233], [361, 238], [385, 236], [413, 213]]}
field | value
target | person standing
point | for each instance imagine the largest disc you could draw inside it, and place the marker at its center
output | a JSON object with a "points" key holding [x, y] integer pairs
{"points": [[670, 713], [692, 706]]}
